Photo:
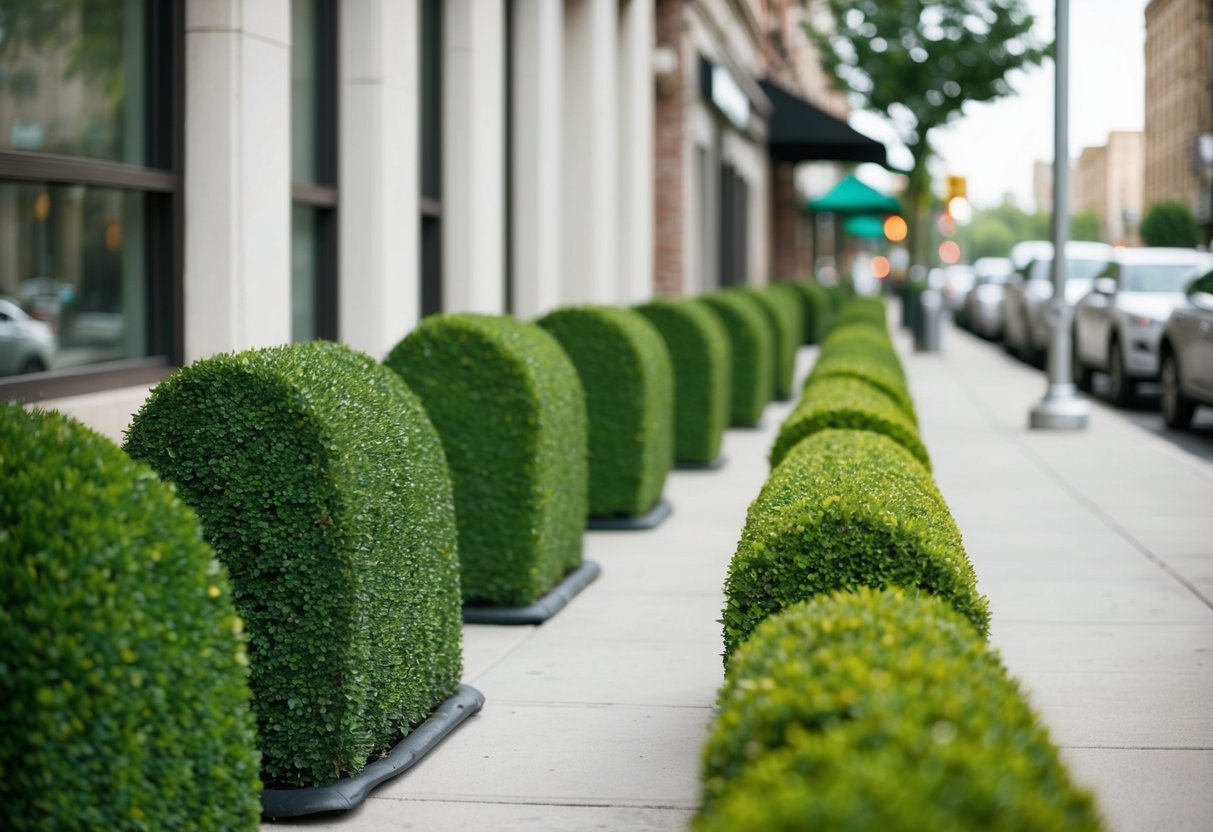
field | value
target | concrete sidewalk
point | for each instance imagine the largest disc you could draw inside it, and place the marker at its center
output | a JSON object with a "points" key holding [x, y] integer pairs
{"points": [[1095, 549]]}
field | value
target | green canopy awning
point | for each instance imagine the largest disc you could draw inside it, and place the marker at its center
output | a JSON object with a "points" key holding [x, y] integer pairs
{"points": [[864, 225], [850, 196]]}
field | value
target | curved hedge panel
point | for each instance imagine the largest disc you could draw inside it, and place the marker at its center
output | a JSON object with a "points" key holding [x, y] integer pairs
{"points": [[753, 352], [783, 316], [845, 509], [509, 407], [124, 674], [847, 403], [818, 310], [873, 371], [700, 353], [322, 485], [879, 710], [629, 392], [863, 309]]}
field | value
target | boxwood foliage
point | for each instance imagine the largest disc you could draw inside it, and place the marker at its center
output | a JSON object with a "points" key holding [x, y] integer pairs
{"points": [[752, 348], [863, 340], [124, 673], [322, 485], [844, 509], [817, 309], [783, 316], [509, 407], [879, 710], [866, 309], [700, 353], [628, 378], [852, 364], [848, 403]]}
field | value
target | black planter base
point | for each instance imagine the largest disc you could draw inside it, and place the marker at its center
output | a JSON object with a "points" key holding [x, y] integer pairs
{"points": [[650, 520], [759, 425], [715, 465], [350, 792], [543, 609]]}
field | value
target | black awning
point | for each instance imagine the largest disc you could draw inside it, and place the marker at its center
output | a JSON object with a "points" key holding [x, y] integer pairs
{"points": [[799, 132]]}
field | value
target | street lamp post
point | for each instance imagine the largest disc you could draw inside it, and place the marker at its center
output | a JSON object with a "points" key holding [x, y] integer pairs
{"points": [[1061, 408]]}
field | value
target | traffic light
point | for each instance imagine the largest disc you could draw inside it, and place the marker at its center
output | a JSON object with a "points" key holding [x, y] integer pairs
{"points": [[957, 187]]}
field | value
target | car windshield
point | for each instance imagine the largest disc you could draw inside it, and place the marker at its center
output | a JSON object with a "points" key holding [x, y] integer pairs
{"points": [[1076, 269], [1155, 277]]}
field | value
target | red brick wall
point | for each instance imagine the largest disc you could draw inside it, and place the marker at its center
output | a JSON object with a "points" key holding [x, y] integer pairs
{"points": [[791, 246], [670, 132]]}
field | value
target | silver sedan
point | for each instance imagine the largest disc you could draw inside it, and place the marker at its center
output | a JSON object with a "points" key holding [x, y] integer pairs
{"points": [[1186, 353]]}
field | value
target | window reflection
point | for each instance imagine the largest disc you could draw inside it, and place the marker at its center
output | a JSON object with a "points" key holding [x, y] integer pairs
{"points": [[72, 78], [72, 276]]}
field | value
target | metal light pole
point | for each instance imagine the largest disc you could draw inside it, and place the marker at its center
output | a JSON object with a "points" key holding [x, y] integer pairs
{"points": [[1061, 408]]}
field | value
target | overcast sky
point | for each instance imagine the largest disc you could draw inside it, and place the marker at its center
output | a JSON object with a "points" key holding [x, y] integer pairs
{"points": [[994, 145]]}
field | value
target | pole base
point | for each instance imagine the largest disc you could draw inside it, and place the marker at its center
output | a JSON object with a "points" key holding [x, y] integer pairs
{"points": [[1060, 409]]}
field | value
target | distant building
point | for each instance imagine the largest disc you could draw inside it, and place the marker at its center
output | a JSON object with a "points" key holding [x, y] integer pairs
{"points": [[1042, 185], [1108, 181], [1179, 104]]}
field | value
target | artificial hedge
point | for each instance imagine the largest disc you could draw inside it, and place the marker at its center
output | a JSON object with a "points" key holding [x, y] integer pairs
{"points": [[628, 379], [817, 309], [853, 364], [879, 710], [322, 486], [124, 673], [847, 403], [844, 509], [508, 404], [700, 356], [752, 349], [784, 318]]}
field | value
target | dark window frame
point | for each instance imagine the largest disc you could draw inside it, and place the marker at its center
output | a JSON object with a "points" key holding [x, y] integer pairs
{"points": [[162, 181], [430, 25]]}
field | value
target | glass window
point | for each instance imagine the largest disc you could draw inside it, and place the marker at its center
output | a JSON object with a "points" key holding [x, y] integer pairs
{"points": [[304, 267], [1156, 277], [72, 78]]}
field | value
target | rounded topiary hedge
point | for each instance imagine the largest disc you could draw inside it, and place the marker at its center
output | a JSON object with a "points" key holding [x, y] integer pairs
{"points": [[124, 675], [752, 348], [783, 316], [873, 371], [625, 369], [509, 407], [322, 486], [844, 509], [818, 310], [700, 353], [863, 309], [847, 403], [863, 340], [879, 710]]}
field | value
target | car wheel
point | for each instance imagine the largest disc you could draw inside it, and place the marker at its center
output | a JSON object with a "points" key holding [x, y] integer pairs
{"points": [[1121, 388], [1177, 409], [1081, 372], [33, 364]]}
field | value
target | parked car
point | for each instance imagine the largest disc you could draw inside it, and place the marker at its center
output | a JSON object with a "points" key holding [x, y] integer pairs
{"points": [[1025, 324], [983, 303], [957, 281], [1118, 324], [1186, 354], [26, 345]]}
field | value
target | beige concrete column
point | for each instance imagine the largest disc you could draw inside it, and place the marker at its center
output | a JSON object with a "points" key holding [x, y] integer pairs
{"points": [[537, 222], [237, 170], [636, 137], [589, 259], [379, 173], [473, 161]]}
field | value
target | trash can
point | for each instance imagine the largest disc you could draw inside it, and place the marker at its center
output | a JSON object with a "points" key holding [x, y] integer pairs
{"points": [[928, 335]]}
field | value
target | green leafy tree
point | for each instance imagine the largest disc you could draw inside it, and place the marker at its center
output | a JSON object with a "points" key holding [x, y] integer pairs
{"points": [[1085, 225], [1170, 224], [918, 62]]}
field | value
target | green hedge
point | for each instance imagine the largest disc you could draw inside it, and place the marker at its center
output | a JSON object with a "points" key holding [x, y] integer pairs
{"points": [[629, 393], [867, 341], [700, 354], [847, 403], [784, 317], [124, 676], [853, 364], [322, 485], [879, 710], [752, 346], [509, 407], [865, 309], [846, 509], [818, 310]]}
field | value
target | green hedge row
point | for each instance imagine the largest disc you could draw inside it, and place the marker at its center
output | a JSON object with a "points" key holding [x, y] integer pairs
{"points": [[322, 486], [784, 319], [701, 355], [753, 355], [818, 309], [879, 710], [124, 673], [628, 379], [509, 406], [843, 509]]}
